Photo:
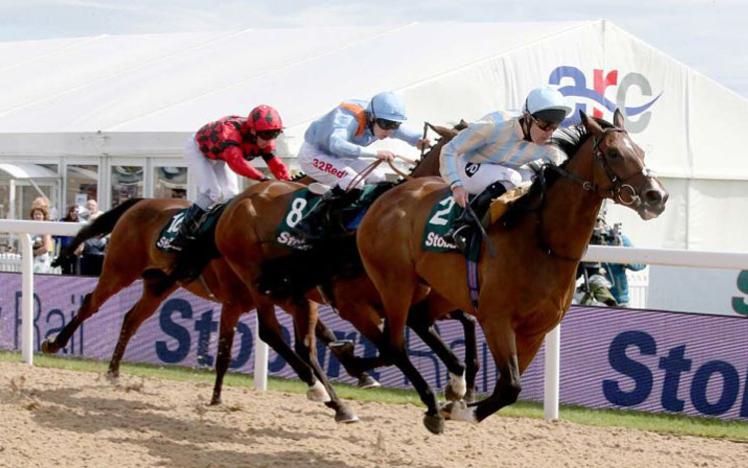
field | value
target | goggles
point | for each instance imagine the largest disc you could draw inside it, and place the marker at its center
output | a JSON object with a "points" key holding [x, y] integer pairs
{"points": [[385, 124], [269, 134]]}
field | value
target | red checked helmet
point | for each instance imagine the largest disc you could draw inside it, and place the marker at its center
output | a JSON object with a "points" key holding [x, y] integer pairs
{"points": [[265, 118]]}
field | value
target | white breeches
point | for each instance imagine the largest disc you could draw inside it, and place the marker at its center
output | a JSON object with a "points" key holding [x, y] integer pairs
{"points": [[215, 181], [332, 171], [476, 177]]}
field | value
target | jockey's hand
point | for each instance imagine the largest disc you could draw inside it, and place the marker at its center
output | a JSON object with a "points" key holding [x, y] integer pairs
{"points": [[460, 195], [385, 155], [423, 143]]}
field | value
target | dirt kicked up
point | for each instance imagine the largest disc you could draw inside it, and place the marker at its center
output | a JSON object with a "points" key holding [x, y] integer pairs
{"points": [[53, 417]]}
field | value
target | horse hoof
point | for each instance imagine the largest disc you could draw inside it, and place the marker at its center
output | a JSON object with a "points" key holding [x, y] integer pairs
{"points": [[469, 396], [367, 381], [458, 411], [112, 375], [456, 388], [318, 393], [345, 415], [215, 401], [434, 423], [48, 346]]}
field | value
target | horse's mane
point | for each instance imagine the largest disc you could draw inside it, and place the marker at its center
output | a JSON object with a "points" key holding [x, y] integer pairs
{"points": [[569, 140]]}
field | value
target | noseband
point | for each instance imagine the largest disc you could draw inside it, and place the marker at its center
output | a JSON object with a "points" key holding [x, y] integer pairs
{"points": [[620, 190]]}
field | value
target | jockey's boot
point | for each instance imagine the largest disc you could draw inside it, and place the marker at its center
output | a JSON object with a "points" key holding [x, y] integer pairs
{"points": [[191, 222], [315, 224], [464, 226]]}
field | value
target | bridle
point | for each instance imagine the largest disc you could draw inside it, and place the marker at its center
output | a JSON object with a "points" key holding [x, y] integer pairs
{"points": [[620, 190]]}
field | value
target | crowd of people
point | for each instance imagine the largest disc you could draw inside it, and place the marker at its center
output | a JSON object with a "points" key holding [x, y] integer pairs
{"points": [[89, 256]]}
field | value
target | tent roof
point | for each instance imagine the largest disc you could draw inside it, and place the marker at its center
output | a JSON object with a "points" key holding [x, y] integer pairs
{"points": [[177, 82], [27, 171]]}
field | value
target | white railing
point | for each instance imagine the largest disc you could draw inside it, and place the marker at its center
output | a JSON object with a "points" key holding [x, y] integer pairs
{"points": [[596, 253]]}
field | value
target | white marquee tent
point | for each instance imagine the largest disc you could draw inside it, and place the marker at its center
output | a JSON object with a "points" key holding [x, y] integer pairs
{"points": [[143, 95]]}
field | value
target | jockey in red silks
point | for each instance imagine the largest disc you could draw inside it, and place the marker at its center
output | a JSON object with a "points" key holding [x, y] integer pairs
{"points": [[228, 143]]}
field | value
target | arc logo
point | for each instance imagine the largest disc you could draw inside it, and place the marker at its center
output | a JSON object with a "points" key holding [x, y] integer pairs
{"points": [[572, 83]]}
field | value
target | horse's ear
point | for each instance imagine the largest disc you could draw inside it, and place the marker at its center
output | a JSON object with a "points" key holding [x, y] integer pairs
{"points": [[462, 125], [618, 120], [592, 127]]}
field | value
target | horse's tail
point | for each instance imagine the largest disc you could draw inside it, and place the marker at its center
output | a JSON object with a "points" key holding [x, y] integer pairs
{"points": [[102, 225]]}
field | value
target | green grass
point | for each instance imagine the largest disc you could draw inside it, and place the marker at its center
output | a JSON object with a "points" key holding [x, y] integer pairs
{"points": [[663, 423]]}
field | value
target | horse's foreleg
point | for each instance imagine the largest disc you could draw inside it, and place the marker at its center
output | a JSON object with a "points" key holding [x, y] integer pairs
{"points": [[305, 321], [229, 317], [502, 342], [419, 321], [472, 364], [270, 333], [154, 292], [396, 306]]}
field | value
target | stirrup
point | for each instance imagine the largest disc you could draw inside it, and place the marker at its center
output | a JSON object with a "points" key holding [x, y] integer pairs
{"points": [[459, 236]]}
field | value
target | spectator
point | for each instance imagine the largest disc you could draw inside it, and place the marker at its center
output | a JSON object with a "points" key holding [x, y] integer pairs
{"points": [[41, 243], [612, 287], [92, 210], [70, 265], [92, 257]]}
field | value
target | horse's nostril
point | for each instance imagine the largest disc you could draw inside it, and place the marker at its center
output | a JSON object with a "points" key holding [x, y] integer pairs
{"points": [[655, 197]]}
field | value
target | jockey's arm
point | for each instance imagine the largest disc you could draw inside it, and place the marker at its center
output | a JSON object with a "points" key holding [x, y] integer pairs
{"points": [[340, 143], [276, 166], [410, 136], [235, 159], [466, 142]]}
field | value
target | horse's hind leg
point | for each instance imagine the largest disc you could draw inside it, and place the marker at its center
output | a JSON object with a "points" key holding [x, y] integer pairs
{"points": [[305, 317], [229, 317], [110, 283], [355, 366], [156, 288]]}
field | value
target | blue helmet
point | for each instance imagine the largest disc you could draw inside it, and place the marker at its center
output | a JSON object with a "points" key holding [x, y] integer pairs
{"points": [[388, 106]]}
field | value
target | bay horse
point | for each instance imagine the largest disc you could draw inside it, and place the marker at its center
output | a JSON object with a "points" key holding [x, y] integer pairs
{"points": [[132, 253], [527, 288]]}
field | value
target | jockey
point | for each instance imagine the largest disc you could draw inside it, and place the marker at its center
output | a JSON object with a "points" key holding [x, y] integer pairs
{"points": [[487, 157], [335, 143], [228, 143]]}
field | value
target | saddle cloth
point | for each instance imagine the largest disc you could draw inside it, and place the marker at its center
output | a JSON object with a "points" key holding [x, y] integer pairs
{"points": [[207, 228]]}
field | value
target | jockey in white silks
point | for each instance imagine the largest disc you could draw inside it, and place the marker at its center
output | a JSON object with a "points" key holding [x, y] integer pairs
{"points": [[490, 155]]}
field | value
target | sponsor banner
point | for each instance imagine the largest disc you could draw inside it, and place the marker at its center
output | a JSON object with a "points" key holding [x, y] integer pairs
{"points": [[610, 358]]}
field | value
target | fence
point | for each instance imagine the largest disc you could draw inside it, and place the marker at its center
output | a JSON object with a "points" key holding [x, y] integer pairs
{"points": [[552, 354]]}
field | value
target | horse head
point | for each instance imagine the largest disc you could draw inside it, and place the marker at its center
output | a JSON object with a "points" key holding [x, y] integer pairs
{"points": [[619, 171]]}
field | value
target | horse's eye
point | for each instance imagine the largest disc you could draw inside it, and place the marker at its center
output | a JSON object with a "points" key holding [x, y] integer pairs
{"points": [[613, 153]]}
